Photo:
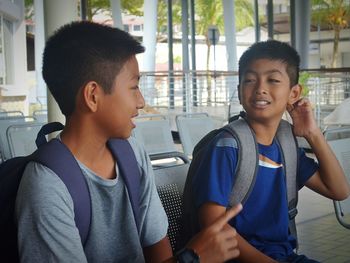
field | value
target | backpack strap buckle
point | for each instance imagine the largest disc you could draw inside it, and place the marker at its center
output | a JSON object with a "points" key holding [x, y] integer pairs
{"points": [[292, 213]]}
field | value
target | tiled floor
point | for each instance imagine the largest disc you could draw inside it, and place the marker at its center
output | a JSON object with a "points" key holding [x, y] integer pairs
{"points": [[320, 235]]}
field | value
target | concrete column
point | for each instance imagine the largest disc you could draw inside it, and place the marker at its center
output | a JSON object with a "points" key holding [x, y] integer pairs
{"points": [[39, 45], [117, 14], [231, 44], [54, 18], [230, 34], [302, 26], [150, 34]]}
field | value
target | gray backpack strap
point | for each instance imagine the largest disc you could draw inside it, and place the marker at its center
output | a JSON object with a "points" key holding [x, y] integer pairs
{"points": [[290, 160], [248, 159]]}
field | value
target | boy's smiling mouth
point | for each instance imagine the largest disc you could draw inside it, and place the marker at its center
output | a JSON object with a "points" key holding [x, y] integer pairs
{"points": [[260, 103]]}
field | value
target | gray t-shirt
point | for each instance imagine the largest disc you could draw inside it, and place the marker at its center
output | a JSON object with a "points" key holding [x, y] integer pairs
{"points": [[45, 214]]}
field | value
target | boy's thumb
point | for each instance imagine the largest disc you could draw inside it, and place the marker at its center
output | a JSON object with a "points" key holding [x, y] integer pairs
{"points": [[227, 216]]}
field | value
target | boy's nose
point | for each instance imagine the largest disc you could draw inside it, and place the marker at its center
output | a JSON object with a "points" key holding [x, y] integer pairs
{"points": [[260, 88], [140, 101]]}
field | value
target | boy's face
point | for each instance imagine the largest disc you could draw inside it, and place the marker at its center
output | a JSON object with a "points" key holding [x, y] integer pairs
{"points": [[122, 105], [265, 90]]}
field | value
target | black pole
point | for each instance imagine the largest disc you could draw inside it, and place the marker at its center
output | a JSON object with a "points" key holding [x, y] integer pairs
{"points": [[185, 43], [83, 9], [270, 19], [256, 20], [292, 24], [170, 55], [193, 53]]}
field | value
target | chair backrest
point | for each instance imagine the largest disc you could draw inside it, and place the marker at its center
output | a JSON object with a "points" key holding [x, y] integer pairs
{"points": [[339, 140], [40, 115], [21, 138], [154, 132], [170, 182], [10, 113], [5, 122], [192, 127]]}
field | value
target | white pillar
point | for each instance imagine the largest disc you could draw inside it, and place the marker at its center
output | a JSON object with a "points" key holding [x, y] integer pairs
{"points": [[150, 34], [56, 14], [39, 45], [231, 45], [17, 49], [117, 14], [230, 34]]}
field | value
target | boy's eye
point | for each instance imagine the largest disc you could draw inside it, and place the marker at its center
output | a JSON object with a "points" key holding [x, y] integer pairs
{"points": [[248, 80], [274, 80]]}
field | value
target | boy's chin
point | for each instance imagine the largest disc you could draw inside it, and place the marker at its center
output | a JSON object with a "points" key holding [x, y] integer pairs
{"points": [[124, 135]]}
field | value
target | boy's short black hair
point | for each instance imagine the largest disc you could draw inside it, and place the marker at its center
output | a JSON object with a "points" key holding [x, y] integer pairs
{"points": [[84, 51], [273, 50]]}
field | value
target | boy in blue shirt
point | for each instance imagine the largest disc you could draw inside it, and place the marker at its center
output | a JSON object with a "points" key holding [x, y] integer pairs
{"points": [[268, 86]]}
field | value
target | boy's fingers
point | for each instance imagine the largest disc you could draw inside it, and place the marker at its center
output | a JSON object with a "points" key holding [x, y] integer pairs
{"points": [[227, 216]]}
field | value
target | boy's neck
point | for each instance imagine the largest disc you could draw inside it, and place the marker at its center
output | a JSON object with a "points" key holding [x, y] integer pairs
{"points": [[90, 150], [264, 132]]}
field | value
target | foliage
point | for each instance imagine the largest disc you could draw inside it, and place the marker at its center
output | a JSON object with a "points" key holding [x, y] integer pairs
{"points": [[304, 77], [163, 14], [29, 9], [133, 7], [336, 15]]}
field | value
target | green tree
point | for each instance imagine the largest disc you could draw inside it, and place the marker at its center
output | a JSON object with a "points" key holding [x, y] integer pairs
{"points": [[162, 20], [336, 15]]}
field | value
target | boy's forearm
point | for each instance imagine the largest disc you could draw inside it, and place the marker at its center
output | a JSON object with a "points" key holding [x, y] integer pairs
{"points": [[249, 254], [330, 172]]}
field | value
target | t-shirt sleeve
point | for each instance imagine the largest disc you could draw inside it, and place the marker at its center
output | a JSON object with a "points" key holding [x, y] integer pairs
{"points": [[214, 177], [154, 222], [45, 216], [307, 167]]}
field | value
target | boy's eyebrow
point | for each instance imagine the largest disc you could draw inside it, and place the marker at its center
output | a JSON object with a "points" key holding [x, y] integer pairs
{"points": [[265, 72]]}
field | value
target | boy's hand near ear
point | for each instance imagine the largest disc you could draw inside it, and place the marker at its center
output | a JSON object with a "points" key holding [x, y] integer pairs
{"points": [[218, 242], [304, 123]]}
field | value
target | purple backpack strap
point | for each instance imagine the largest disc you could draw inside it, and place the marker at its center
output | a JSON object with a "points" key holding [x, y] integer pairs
{"points": [[130, 172], [56, 156]]}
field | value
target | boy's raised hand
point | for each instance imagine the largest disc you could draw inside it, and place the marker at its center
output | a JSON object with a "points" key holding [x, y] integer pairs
{"points": [[218, 242], [304, 123]]}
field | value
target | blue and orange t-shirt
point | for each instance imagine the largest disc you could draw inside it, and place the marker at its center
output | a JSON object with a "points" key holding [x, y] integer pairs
{"points": [[263, 222]]}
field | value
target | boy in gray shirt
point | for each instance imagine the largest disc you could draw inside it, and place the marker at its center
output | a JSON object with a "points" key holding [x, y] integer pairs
{"points": [[92, 72]]}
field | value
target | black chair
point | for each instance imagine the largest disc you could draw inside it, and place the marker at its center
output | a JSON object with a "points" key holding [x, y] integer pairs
{"points": [[170, 180]]}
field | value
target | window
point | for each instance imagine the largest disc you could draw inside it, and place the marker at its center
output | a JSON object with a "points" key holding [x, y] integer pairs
{"points": [[6, 51], [137, 28]]}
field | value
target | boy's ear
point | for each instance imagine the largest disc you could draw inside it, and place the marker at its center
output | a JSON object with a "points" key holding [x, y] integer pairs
{"points": [[295, 94], [91, 93]]}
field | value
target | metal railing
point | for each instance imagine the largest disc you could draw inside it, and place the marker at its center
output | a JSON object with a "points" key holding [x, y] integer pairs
{"points": [[204, 90]]}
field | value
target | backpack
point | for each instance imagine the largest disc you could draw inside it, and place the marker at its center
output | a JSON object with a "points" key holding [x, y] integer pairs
{"points": [[246, 169], [55, 155]]}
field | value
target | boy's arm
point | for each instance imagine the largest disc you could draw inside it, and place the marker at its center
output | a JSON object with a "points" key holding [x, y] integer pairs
{"points": [[329, 180], [216, 243], [209, 212], [45, 219], [158, 252]]}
